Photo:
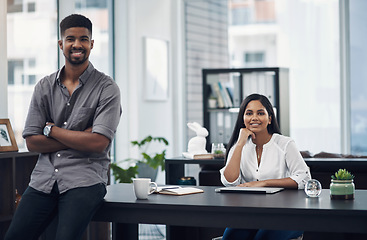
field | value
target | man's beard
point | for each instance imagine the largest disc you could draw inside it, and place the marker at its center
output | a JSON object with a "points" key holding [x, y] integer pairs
{"points": [[76, 61]]}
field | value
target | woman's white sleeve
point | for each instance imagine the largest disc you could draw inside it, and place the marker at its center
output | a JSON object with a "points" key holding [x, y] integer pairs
{"points": [[223, 178], [298, 169]]}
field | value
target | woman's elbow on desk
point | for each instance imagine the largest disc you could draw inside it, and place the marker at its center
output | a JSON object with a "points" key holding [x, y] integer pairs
{"points": [[228, 183]]}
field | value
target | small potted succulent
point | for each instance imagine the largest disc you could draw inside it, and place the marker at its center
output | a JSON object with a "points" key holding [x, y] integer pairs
{"points": [[342, 185]]}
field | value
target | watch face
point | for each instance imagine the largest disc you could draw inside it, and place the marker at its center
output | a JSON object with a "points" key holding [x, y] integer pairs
{"points": [[46, 130]]}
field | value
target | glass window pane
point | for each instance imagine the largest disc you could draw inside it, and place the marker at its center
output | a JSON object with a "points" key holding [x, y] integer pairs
{"points": [[15, 6], [254, 59], [32, 54], [97, 12], [304, 37], [358, 71]]}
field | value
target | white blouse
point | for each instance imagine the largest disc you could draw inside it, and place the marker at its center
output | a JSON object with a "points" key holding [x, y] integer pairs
{"points": [[280, 159]]}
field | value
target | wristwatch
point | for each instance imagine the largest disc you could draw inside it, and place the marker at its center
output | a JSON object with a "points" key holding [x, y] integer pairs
{"points": [[47, 130]]}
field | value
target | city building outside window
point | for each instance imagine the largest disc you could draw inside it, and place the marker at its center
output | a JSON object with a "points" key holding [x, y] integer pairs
{"points": [[302, 36]]}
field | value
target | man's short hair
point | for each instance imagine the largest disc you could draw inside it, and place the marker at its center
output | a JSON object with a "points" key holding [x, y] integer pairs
{"points": [[75, 20]]}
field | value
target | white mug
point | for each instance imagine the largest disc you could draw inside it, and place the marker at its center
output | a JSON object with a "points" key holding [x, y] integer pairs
{"points": [[143, 187]]}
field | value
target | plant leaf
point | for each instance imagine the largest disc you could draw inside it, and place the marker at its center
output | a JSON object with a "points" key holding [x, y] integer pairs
{"points": [[342, 174], [154, 161], [123, 175]]}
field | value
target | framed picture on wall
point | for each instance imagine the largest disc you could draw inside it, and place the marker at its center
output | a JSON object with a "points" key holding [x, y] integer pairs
{"points": [[7, 139], [156, 69]]}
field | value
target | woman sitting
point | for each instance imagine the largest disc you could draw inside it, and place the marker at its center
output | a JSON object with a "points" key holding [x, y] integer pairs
{"points": [[259, 156]]}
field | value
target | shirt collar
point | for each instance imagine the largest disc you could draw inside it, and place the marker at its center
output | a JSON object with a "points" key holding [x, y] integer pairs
{"points": [[83, 78], [266, 144]]}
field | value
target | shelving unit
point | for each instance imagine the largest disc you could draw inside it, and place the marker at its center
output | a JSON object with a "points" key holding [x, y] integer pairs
{"points": [[15, 172], [230, 86]]}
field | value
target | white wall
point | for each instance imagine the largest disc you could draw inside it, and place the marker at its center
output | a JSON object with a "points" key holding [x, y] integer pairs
{"points": [[152, 19], [3, 62], [135, 20]]}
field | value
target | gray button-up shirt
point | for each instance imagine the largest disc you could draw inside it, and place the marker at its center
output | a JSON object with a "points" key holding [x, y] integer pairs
{"points": [[94, 103]]}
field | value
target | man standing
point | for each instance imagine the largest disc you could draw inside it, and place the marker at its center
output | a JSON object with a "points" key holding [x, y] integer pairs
{"points": [[71, 122]]}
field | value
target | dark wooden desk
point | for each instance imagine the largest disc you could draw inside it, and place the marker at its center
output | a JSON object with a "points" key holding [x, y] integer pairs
{"points": [[290, 209], [321, 168]]}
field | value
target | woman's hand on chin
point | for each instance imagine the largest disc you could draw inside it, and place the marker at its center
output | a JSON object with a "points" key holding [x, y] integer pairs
{"points": [[244, 135]]}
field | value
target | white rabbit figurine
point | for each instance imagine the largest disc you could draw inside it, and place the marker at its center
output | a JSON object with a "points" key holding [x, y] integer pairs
{"points": [[197, 144]]}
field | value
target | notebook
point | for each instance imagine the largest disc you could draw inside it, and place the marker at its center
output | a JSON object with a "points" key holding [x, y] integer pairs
{"points": [[248, 190], [178, 190]]}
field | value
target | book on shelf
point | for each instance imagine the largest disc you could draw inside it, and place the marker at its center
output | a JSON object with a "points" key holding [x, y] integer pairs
{"points": [[178, 190], [217, 94], [230, 94], [222, 89], [226, 99]]}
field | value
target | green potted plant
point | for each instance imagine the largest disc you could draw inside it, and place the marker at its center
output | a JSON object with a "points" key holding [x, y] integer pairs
{"points": [[342, 185], [146, 166]]}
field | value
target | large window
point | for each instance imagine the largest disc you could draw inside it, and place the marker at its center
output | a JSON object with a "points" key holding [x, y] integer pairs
{"points": [[32, 54], [33, 50], [304, 37], [98, 11], [358, 75]]}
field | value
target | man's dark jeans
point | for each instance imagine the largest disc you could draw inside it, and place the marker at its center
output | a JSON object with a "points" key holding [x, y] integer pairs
{"points": [[73, 209]]}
